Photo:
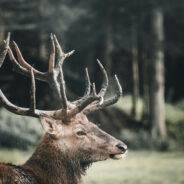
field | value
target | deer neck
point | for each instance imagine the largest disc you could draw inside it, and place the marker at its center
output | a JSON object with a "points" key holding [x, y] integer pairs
{"points": [[53, 166]]}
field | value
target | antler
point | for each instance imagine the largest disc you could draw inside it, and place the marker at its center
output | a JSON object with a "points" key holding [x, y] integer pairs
{"points": [[4, 51], [105, 103], [50, 77], [91, 101]]}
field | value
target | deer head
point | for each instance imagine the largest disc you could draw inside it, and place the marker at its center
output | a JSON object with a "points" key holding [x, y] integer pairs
{"points": [[68, 127]]}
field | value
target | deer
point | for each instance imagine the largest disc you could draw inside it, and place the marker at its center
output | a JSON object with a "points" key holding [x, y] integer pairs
{"points": [[71, 143]]}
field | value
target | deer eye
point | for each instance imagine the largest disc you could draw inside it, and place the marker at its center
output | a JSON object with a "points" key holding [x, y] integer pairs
{"points": [[81, 133]]}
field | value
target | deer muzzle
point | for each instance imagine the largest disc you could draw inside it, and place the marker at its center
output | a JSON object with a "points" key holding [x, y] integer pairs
{"points": [[121, 153]]}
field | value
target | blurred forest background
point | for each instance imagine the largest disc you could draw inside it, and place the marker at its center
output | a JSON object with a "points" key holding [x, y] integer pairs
{"points": [[139, 40]]}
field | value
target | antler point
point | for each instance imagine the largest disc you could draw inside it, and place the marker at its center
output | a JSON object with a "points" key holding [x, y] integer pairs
{"points": [[14, 43]]}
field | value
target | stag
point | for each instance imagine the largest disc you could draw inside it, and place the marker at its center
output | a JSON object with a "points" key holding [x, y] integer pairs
{"points": [[71, 142]]}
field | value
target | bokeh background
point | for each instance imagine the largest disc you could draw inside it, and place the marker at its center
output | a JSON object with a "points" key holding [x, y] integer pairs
{"points": [[139, 40]]}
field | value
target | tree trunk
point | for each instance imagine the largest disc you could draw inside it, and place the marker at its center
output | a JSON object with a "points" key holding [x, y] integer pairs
{"points": [[135, 71], [157, 112], [146, 111]]}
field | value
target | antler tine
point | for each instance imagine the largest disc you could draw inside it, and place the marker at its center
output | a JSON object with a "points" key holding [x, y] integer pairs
{"points": [[94, 89], [83, 105], [88, 83], [105, 80], [12, 57], [59, 52], [82, 102], [5, 49], [18, 68], [58, 46], [32, 93], [21, 59], [87, 101], [115, 98], [61, 55], [52, 55], [107, 102], [89, 98], [62, 88], [87, 86], [69, 53]]}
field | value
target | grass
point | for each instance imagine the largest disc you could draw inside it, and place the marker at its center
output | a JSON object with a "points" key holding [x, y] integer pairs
{"points": [[143, 167], [139, 167]]}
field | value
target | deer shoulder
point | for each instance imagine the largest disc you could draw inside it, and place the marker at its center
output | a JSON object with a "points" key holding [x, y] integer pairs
{"points": [[10, 173]]}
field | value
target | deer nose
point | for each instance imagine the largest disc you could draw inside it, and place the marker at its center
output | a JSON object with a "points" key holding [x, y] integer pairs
{"points": [[122, 147]]}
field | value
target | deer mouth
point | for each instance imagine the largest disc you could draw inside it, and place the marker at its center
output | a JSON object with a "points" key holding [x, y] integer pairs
{"points": [[118, 156]]}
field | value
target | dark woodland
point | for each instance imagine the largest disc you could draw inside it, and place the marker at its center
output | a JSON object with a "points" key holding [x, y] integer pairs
{"points": [[140, 41]]}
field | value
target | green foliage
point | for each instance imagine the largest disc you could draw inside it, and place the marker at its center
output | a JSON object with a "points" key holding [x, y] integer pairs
{"points": [[136, 140], [174, 113], [14, 156], [175, 124], [142, 139], [125, 104], [17, 131], [176, 132]]}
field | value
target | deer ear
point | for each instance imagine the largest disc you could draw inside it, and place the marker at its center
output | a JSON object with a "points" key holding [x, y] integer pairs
{"points": [[51, 126]]}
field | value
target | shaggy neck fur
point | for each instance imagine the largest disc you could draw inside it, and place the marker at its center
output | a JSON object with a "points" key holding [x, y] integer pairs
{"points": [[53, 166]]}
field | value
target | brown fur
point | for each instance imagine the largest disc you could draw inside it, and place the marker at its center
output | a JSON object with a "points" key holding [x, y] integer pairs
{"points": [[63, 156], [10, 174], [71, 142]]}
